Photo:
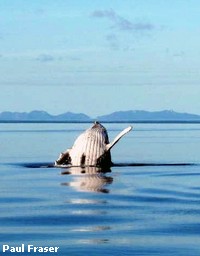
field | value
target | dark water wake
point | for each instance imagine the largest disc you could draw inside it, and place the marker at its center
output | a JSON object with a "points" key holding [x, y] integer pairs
{"points": [[131, 164], [152, 164]]}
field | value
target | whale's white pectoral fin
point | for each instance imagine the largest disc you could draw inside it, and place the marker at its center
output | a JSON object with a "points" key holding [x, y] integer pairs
{"points": [[121, 134]]}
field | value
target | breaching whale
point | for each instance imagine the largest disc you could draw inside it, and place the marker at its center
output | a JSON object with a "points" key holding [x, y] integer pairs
{"points": [[91, 148]]}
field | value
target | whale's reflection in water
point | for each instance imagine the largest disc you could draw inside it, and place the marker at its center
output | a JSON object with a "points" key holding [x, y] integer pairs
{"points": [[89, 178]]}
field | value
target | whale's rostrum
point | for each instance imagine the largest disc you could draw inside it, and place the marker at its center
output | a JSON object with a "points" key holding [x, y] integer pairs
{"points": [[91, 148]]}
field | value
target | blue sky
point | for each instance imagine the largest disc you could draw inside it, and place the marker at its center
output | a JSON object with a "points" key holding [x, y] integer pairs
{"points": [[99, 56]]}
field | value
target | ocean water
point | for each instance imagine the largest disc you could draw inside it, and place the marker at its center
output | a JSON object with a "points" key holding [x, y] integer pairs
{"points": [[147, 204]]}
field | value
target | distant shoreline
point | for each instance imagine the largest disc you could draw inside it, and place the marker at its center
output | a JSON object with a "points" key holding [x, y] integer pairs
{"points": [[130, 116], [111, 122]]}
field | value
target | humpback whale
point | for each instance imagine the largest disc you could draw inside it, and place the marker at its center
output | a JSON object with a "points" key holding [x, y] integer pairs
{"points": [[91, 148]]}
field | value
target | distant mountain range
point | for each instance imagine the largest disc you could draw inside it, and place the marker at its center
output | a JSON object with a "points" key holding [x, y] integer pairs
{"points": [[120, 116], [140, 115], [42, 116]]}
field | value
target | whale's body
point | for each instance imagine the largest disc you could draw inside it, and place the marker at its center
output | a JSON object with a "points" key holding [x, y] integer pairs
{"points": [[91, 148]]}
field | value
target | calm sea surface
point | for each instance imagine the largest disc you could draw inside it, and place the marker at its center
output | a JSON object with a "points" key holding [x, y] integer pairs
{"points": [[147, 205]]}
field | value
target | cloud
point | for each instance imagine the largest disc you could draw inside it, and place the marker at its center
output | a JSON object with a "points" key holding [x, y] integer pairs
{"points": [[113, 41], [51, 58], [106, 13], [45, 58], [179, 54], [74, 58], [122, 23]]}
